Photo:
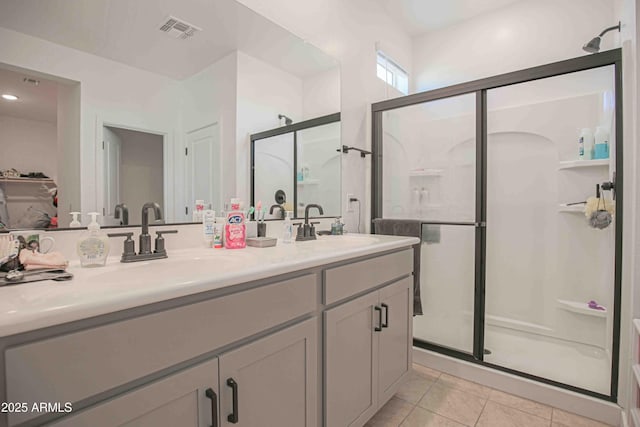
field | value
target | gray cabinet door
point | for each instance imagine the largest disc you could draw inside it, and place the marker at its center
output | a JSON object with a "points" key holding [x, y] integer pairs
{"points": [[396, 337], [275, 380], [183, 399], [351, 362]]}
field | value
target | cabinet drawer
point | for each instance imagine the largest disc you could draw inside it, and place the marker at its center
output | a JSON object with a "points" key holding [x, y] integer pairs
{"points": [[78, 365], [342, 282]]}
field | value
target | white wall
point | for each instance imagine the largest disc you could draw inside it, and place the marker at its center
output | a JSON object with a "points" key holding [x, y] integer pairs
{"points": [[210, 97], [349, 31], [28, 146], [263, 92], [521, 35], [321, 94]]}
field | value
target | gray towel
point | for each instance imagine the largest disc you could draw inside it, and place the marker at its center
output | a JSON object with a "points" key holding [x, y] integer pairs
{"points": [[407, 228]]}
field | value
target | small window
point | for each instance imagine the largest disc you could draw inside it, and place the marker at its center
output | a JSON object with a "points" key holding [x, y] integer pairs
{"points": [[392, 73]]}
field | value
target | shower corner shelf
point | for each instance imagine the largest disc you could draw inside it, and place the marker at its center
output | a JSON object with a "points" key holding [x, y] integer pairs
{"points": [[581, 308], [427, 172], [573, 164], [577, 209]]}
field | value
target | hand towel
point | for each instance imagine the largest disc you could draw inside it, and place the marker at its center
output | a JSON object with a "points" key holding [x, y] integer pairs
{"points": [[35, 260], [407, 228]]}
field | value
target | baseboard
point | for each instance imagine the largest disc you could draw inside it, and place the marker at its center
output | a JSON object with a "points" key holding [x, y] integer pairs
{"points": [[566, 400]]}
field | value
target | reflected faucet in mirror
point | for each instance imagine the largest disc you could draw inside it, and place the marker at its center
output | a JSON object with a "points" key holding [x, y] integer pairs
{"points": [[122, 210], [274, 207]]}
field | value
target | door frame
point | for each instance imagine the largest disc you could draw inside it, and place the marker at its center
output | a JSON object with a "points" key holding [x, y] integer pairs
{"points": [[480, 88], [168, 166]]}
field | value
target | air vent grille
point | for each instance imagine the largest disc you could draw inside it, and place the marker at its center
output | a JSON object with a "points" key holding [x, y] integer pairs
{"points": [[178, 28]]}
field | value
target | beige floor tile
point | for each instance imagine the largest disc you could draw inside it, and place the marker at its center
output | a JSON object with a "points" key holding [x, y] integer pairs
{"points": [[464, 385], [496, 415], [572, 420], [414, 388], [426, 372], [452, 403], [422, 418], [391, 414], [524, 405]]}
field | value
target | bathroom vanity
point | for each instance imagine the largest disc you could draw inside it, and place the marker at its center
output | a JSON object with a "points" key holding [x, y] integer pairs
{"points": [[309, 334]]}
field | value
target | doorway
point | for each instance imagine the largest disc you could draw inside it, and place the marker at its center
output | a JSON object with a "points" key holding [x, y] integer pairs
{"points": [[133, 164]]}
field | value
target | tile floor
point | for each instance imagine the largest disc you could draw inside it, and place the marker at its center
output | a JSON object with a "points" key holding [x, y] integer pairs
{"points": [[435, 399]]}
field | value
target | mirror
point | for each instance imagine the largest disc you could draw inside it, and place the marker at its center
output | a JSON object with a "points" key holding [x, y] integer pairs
{"points": [[298, 165], [127, 102]]}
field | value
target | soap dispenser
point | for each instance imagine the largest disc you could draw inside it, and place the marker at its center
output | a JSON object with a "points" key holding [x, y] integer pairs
{"points": [[74, 222], [337, 228], [93, 248]]}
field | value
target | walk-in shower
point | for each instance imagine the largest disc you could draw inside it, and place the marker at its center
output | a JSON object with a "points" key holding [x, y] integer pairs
{"points": [[513, 276]]}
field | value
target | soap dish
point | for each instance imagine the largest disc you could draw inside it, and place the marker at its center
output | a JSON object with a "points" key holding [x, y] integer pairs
{"points": [[261, 242]]}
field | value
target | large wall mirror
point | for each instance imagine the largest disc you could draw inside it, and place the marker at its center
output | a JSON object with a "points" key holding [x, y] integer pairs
{"points": [[298, 165], [121, 103]]}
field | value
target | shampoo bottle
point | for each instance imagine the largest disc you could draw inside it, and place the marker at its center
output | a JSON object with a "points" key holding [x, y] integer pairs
{"points": [[601, 147], [93, 248]]}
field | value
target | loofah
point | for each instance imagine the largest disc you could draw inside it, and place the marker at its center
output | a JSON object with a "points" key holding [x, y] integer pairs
{"points": [[592, 206]]}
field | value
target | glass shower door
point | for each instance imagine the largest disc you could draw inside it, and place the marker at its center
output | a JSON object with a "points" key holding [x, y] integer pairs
{"points": [[429, 163], [549, 273]]}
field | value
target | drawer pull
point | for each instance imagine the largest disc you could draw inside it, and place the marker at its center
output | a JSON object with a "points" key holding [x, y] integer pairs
{"points": [[233, 417], [386, 315], [214, 406], [379, 327]]}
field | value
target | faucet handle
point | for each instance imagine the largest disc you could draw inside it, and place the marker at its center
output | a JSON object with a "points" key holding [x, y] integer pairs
{"points": [[160, 249], [300, 232], [129, 244]]}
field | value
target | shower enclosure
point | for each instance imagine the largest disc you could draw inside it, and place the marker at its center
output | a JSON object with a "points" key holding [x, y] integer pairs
{"points": [[513, 275]]}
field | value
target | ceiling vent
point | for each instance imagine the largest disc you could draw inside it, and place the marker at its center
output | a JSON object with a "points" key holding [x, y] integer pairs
{"points": [[179, 29]]}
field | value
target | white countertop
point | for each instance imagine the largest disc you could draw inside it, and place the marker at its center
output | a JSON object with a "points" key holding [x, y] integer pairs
{"points": [[118, 286]]}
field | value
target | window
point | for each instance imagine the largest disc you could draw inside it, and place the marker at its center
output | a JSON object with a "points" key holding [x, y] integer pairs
{"points": [[392, 73]]}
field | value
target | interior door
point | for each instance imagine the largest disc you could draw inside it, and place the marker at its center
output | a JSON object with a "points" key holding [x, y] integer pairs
{"points": [[272, 381], [112, 148], [204, 167]]}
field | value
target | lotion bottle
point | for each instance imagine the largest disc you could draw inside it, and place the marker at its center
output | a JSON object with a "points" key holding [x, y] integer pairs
{"points": [[93, 248], [287, 228]]}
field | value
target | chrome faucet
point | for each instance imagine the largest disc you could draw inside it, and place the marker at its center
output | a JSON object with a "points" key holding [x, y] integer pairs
{"points": [[122, 210], [274, 207], [145, 254], [145, 238], [307, 231]]}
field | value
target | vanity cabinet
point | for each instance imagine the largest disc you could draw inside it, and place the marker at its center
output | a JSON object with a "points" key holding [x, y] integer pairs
{"points": [[272, 381], [367, 352], [188, 398]]}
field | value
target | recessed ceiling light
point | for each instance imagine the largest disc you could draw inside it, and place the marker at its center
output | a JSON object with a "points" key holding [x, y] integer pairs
{"points": [[9, 97]]}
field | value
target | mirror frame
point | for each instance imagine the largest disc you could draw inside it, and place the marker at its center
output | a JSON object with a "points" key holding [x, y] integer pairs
{"points": [[293, 128]]}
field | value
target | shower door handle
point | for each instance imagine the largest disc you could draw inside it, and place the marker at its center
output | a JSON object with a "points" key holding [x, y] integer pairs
{"points": [[481, 224]]}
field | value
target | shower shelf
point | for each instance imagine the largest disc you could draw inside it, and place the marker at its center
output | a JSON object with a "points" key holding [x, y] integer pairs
{"points": [[579, 209], [572, 164], [427, 172], [581, 308], [309, 182]]}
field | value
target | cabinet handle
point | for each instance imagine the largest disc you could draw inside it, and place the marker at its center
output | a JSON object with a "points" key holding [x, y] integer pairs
{"points": [[214, 406], [233, 417], [379, 310], [386, 315]]}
